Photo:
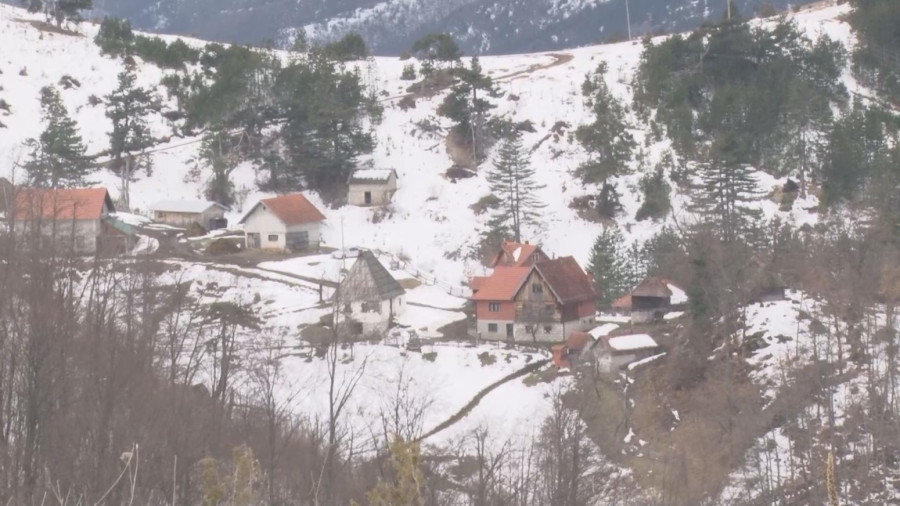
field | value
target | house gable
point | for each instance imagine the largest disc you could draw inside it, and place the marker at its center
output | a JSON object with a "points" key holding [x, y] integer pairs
{"points": [[368, 281]]}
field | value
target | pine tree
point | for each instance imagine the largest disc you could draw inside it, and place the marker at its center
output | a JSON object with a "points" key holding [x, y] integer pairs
{"points": [[606, 141], [219, 155], [127, 108], [725, 193], [512, 179], [328, 117], [610, 268], [656, 189], [58, 155], [467, 108]]}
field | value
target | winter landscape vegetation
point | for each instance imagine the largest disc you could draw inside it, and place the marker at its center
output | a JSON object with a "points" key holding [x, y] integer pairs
{"points": [[659, 271]]}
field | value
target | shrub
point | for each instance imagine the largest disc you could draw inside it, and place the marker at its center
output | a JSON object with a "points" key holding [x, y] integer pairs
{"points": [[115, 36], [486, 358], [351, 47], [223, 246], [409, 72], [195, 230], [431, 356], [484, 203]]}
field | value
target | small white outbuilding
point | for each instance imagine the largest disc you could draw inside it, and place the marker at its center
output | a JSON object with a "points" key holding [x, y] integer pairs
{"points": [[371, 187]]}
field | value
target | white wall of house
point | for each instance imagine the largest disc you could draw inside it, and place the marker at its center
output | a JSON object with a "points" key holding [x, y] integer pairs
{"points": [[545, 332], [273, 232], [381, 192], [79, 236], [375, 318]]}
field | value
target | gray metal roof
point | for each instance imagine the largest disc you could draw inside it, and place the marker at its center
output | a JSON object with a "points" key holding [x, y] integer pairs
{"points": [[368, 280]]}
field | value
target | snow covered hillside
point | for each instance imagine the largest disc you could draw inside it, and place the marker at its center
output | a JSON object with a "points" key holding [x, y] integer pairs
{"points": [[431, 223]]}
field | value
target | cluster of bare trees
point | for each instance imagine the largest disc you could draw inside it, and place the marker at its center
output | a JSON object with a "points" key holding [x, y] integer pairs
{"points": [[121, 384]]}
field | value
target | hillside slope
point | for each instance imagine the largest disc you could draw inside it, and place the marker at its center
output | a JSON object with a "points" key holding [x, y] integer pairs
{"points": [[542, 88]]}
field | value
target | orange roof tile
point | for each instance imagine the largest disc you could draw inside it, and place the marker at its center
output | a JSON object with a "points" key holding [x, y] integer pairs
{"points": [[61, 204], [503, 284], [515, 254], [477, 282], [293, 209]]}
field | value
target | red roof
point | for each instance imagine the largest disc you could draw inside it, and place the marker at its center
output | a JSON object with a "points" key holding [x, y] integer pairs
{"points": [[566, 279], [477, 282], [293, 209], [61, 204], [514, 254], [503, 284], [623, 302]]}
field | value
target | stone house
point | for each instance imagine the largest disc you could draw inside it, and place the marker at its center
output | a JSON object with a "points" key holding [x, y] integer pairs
{"points": [[369, 296], [76, 220], [371, 187], [183, 213], [285, 223], [543, 301]]}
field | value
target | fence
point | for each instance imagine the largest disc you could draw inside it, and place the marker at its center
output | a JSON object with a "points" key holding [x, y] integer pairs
{"points": [[425, 277]]}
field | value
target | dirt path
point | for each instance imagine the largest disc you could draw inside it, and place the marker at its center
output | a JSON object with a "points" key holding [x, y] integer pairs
{"points": [[558, 59], [462, 413]]}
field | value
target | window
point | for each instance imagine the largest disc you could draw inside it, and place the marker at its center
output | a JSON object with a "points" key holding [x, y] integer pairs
{"points": [[549, 309], [494, 307], [537, 288], [548, 329], [529, 329], [273, 237], [371, 307], [492, 327]]}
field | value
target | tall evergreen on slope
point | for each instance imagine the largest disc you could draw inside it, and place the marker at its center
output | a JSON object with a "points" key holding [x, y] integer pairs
{"points": [[512, 179], [58, 156]]}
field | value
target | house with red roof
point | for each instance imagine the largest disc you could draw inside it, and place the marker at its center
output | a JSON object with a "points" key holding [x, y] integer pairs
{"points": [[285, 223], [71, 219], [533, 298]]}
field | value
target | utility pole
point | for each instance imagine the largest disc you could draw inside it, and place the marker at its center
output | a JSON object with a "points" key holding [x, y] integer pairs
{"points": [[728, 8], [628, 19]]}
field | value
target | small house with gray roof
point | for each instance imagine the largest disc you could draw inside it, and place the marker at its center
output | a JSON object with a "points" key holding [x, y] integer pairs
{"points": [[369, 297], [371, 187]]}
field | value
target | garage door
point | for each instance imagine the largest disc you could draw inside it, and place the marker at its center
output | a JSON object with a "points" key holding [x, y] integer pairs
{"points": [[297, 240]]}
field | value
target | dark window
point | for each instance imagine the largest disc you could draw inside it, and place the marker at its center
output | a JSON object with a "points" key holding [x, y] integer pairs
{"points": [[537, 288], [273, 237], [494, 307], [529, 329], [371, 307], [492, 327], [548, 328], [549, 308]]}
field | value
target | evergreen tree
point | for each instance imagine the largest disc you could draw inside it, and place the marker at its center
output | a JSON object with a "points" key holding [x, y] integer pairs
{"points": [[115, 37], [436, 47], [127, 108], [328, 114], [60, 10], [609, 267], [606, 141], [219, 155], [726, 192], [512, 179], [58, 155], [468, 109], [656, 190]]}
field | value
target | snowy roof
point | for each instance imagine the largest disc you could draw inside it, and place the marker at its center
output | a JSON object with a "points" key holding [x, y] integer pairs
{"points": [[602, 330], [678, 295], [632, 342], [184, 206], [372, 175]]}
